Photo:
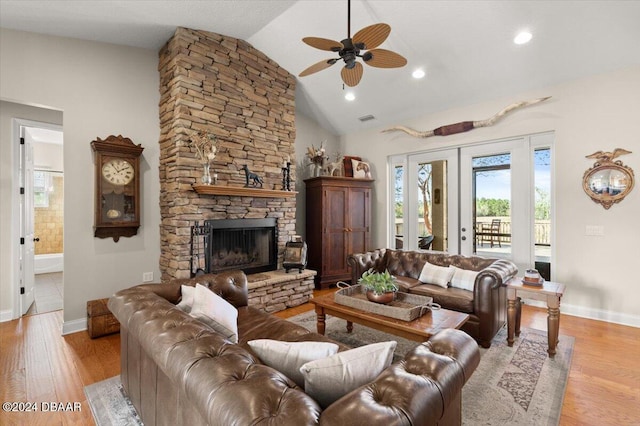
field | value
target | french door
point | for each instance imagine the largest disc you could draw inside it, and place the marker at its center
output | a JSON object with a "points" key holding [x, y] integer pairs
{"points": [[491, 199]]}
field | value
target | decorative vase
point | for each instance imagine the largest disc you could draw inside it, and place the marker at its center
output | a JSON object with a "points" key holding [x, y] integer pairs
{"points": [[384, 298], [206, 177]]}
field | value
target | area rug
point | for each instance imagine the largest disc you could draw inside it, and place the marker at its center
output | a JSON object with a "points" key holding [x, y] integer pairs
{"points": [[110, 405], [517, 385]]}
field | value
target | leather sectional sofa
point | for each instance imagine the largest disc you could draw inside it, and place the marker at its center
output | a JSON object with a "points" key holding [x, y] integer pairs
{"points": [[486, 304], [178, 371]]}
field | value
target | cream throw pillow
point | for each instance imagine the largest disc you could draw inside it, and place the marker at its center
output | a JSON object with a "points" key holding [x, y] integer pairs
{"points": [[463, 278], [186, 303], [288, 357], [216, 312], [434, 274], [329, 379]]}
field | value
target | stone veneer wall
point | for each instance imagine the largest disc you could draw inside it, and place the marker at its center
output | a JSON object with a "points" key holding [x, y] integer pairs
{"points": [[223, 86]]}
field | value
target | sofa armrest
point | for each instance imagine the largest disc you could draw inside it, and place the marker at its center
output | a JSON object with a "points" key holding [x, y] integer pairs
{"points": [[501, 271], [419, 390], [361, 262]]}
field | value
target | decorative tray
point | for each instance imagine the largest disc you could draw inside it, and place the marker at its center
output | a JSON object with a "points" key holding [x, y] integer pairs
{"points": [[406, 307]]}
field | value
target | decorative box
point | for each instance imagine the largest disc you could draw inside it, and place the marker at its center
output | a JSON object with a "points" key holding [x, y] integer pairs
{"points": [[100, 320]]}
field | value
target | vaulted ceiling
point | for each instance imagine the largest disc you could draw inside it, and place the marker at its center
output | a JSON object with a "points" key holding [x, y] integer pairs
{"points": [[465, 47]]}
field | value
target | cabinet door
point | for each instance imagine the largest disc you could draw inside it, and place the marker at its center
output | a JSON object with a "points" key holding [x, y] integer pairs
{"points": [[335, 227], [358, 220]]}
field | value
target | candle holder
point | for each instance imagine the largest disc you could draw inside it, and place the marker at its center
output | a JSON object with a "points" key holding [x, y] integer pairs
{"points": [[286, 177]]}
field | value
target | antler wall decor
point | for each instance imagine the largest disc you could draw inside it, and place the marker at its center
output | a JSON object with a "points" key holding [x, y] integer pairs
{"points": [[464, 126]]}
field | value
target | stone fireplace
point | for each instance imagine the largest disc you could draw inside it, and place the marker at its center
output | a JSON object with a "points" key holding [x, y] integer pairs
{"points": [[222, 86]]}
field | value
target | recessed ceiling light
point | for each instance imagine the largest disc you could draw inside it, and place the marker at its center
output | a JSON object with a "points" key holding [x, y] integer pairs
{"points": [[523, 38], [418, 73], [350, 96]]}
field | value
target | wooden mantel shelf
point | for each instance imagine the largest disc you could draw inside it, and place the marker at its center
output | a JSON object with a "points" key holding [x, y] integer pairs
{"points": [[240, 191]]}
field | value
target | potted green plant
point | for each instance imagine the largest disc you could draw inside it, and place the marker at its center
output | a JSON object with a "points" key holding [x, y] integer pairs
{"points": [[380, 287]]}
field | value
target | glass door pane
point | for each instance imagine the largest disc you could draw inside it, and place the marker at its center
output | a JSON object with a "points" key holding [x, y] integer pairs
{"points": [[491, 192], [433, 202], [432, 205], [398, 206], [542, 211]]}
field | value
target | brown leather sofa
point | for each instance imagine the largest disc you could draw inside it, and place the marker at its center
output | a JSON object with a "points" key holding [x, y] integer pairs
{"points": [[178, 371], [486, 304]]}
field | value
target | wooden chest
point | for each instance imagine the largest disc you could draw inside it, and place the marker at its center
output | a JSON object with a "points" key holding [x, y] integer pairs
{"points": [[100, 320]]}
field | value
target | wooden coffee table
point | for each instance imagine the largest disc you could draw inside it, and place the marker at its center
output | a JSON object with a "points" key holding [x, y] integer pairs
{"points": [[419, 329]]}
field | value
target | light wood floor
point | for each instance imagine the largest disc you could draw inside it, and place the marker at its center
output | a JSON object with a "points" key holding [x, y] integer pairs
{"points": [[38, 364]]}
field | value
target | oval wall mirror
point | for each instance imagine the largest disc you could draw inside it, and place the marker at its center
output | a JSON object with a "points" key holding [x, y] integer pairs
{"points": [[608, 181]]}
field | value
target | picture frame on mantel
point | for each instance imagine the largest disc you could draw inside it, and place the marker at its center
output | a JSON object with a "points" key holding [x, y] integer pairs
{"points": [[348, 165]]}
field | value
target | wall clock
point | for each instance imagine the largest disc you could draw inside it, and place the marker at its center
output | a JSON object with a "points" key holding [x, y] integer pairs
{"points": [[117, 192]]}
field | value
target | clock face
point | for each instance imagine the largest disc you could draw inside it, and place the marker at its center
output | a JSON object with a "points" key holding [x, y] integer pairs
{"points": [[118, 171]]}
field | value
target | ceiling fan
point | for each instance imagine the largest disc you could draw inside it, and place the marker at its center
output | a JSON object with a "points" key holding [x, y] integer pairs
{"points": [[368, 38]]}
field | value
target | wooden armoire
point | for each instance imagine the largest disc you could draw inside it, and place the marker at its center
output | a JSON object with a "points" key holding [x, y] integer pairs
{"points": [[338, 224]]}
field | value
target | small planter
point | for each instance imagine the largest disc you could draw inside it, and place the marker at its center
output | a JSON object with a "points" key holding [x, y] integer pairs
{"points": [[380, 287], [384, 298]]}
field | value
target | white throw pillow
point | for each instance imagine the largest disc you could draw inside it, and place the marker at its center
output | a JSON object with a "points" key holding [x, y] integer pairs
{"points": [[288, 357], [329, 379], [434, 274], [463, 278], [186, 304], [216, 312]]}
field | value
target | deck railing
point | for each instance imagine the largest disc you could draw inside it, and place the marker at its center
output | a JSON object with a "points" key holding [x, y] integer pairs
{"points": [[542, 229]]}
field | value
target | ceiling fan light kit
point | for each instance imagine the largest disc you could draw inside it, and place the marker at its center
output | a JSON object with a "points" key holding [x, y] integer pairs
{"points": [[349, 49]]}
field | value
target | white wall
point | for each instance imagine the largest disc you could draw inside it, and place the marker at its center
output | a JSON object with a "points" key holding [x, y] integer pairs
{"points": [[102, 89], [309, 132], [49, 156], [587, 115]]}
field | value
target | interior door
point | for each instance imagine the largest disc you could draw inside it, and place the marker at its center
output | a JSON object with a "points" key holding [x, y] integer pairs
{"points": [[27, 251]]}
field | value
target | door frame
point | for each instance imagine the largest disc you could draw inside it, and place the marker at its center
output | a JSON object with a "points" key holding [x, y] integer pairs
{"points": [[529, 143], [18, 179]]}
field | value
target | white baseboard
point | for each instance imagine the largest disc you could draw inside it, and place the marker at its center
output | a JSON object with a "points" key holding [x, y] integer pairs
{"points": [[74, 326], [594, 314], [6, 315]]}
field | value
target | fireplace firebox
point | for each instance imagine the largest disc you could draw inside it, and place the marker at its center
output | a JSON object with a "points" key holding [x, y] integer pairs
{"points": [[250, 245]]}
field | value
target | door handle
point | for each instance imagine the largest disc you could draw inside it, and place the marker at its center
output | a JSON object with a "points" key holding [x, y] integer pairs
{"points": [[463, 238], [36, 239], [463, 229]]}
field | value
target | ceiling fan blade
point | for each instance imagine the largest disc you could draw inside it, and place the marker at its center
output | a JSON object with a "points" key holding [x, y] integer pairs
{"points": [[372, 36], [383, 58], [318, 67], [323, 43], [351, 77]]}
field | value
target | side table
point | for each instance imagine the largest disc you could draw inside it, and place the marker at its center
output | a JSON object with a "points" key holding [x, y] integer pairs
{"points": [[549, 292]]}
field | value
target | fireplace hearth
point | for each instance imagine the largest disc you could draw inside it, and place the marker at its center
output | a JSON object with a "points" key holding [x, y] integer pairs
{"points": [[246, 244]]}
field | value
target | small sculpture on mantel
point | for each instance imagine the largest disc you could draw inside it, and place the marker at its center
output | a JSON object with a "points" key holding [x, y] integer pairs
{"points": [[251, 179], [336, 166]]}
